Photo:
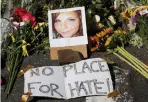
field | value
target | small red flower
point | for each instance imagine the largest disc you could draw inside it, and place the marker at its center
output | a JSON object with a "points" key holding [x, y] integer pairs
{"points": [[24, 15], [29, 17], [19, 11]]}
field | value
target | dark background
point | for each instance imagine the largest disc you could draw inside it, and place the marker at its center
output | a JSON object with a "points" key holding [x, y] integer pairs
{"points": [[133, 86]]}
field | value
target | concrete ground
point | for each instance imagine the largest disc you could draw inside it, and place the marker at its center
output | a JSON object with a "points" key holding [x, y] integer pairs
{"points": [[133, 86]]}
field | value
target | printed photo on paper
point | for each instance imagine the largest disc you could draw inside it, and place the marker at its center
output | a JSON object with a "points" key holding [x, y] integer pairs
{"points": [[67, 27]]}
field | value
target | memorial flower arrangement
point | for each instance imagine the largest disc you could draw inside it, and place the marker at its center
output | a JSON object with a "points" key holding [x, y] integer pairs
{"points": [[114, 40], [117, 23], [25, 38]]}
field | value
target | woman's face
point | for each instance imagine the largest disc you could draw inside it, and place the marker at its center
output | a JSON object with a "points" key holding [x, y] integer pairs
{"points": [[67, 24]]}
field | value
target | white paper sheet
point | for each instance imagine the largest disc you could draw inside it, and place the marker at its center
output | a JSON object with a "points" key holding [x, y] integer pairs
{"points": [[99, 99], [84, 78], [47, 81]]}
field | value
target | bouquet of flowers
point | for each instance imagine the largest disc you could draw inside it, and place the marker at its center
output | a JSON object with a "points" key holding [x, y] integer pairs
{"points": [[114, 39], [25, 38]]}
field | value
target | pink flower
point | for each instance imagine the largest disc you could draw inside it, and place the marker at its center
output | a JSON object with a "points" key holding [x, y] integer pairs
{"points": [[24, 15], [29, 17]]}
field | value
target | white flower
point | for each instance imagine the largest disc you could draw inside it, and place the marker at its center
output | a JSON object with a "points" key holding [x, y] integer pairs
{"points": [[18, 24], [117, 3], [97, 18], [131, 26], [136, 41], [112, 19]]}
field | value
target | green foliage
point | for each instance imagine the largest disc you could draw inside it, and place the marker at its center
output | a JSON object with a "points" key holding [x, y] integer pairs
{"points": [[3, 6], [142, 29], [25, 41], [141, 2]]}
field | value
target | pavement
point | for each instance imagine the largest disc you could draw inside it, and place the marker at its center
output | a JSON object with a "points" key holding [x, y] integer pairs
{"points": [[133, 86]]}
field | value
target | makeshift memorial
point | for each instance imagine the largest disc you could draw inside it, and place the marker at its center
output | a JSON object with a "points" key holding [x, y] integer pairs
{"points": [[118, 22], [84, 78]]}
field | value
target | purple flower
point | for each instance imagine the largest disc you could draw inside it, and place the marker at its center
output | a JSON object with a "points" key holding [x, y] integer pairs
{"points": [[132, 20]]}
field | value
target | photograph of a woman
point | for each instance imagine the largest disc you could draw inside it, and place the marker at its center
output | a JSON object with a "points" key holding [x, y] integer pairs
{"points": [[67, 24], [67, 27]]}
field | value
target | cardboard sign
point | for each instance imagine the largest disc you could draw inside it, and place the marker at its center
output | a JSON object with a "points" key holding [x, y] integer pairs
{"points": [[67, 30], [84, 78], [80, 48]]}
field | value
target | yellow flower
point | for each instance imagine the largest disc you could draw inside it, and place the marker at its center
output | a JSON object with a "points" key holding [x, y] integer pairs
{"points": [[104, 32], [127, 14], [12, 37], [112, 19], [40, 25], [100, 25], [24, 48], [108, 41], [119, 31]]}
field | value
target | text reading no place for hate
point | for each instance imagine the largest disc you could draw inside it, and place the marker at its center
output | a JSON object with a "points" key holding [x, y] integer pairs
{"points": [[84, 78]]}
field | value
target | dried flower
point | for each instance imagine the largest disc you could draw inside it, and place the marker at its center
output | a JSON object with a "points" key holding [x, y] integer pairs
{"points": [[94, 43]]}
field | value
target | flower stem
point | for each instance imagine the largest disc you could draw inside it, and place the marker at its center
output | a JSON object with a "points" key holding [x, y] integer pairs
{"points": [[13, 75], [123, 59], [133, 62], [134, 58]]}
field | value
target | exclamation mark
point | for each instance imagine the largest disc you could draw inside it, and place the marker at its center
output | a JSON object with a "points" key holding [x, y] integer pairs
{"points": [[108, 84]]}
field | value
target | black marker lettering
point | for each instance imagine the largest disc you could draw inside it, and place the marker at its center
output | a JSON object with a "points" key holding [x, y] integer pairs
{"points": [[29, 85], [46, 69], [108, 84], [91, 65], [82, 87], [96, 87], [89, 85], [86, 66], [52, 85], [74, 89], [101, 66], [36, 72], [76, 72], [66, 68], [44, 89]]}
